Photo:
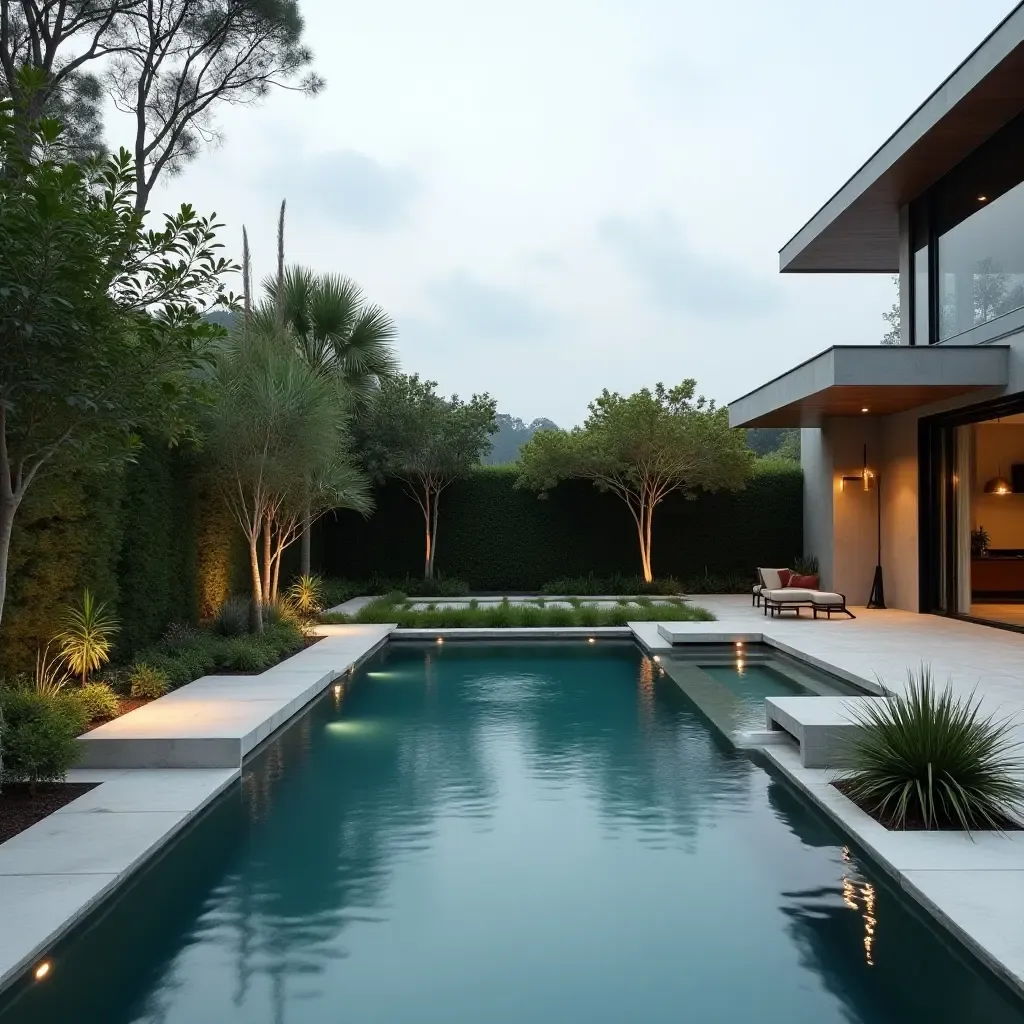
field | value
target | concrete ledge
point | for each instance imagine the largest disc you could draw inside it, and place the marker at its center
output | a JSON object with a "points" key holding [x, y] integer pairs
{"points": [[526, 633], [216, 720], [57, 871], [708, 633], [821, 726]]}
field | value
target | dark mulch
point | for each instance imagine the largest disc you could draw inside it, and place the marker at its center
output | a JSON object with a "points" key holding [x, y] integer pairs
{"points": [[20, 808], [914, 823]]}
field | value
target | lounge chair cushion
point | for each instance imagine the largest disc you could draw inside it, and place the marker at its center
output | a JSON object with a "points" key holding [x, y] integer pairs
{"points": [[772, 578], [807, 582], [790, 594], [825, 597]]}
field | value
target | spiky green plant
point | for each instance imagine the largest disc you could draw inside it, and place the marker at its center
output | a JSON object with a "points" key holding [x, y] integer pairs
{"points": [[87, 637], [307, 595], [931, 755]]}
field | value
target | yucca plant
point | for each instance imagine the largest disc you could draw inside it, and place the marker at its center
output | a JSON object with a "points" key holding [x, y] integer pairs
{"points": [[87, 637], [306, 595], [931, 756]]}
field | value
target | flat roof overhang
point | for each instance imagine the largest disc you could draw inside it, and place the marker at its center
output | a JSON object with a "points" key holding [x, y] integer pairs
{"points": [[847, 379], [857, 230]]}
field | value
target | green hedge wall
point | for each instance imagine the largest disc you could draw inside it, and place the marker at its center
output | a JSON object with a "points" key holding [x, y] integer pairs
{"points": [[497, 537], [148, 539]]}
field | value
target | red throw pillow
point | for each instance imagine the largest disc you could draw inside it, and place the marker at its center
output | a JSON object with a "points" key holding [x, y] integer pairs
{"points": [[803, 582], [785, 575]]}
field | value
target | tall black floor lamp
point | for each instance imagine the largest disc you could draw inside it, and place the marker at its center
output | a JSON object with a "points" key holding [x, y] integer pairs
{"points": [[877, 598]]}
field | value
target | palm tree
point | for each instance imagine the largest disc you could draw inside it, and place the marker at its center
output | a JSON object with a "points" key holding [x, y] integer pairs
{"points": [[337, 330]]}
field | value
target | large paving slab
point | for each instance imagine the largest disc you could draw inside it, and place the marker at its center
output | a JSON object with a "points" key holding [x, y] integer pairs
{"points": [[821, 725], [54, 873], [215, 721]]}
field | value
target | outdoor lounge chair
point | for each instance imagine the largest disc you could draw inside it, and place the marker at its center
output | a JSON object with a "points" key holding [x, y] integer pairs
{"points": [[795, 598], [767, 579]]}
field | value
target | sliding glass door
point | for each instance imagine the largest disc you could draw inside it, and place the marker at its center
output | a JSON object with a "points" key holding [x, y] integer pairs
{"points": [[972, 513]]}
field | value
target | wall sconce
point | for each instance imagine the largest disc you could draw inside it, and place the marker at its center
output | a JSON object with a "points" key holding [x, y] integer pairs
{"points": [[864, 477]]}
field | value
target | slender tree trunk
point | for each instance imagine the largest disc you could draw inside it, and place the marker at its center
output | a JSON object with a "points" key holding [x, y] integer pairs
{"points": [[428, 562], [433, 531], [277, 573], [266, 559], [643, 545], [8, 506], [257, 589], [649, 568]]}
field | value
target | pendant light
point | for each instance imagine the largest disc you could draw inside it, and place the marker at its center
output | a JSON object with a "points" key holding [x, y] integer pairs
{"points": [[998, 484]]}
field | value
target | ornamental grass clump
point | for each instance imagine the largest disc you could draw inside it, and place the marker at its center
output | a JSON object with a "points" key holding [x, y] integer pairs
{"points": [[929, 758]]}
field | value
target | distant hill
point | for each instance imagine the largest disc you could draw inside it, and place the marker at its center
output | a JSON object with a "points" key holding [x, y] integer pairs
{"points": [[512, 434], [224, 317]]}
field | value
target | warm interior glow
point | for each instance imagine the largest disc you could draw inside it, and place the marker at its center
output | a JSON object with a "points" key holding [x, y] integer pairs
{"points": [[42, 970]]}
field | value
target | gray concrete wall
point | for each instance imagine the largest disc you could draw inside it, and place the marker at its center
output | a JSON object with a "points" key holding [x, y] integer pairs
{"points": [[816, 460]]}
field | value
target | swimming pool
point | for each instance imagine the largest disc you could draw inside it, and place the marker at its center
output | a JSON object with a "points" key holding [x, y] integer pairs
{"points": [[509, 833]]}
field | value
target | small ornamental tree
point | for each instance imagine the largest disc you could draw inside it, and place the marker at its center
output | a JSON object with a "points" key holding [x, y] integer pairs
{"points": [[412, 434], [642, 447], [101, 320]]}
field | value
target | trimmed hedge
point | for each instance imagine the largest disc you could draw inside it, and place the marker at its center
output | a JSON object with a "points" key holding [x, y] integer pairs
{"points": [[497, 537], [147, 539]]}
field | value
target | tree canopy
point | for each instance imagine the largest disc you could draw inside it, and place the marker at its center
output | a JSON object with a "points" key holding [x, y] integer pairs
{"points": [[642, 447], [101, 320], [168, 65], [425, 440]]}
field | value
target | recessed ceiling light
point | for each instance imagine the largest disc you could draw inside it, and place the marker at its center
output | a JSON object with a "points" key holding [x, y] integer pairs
{"points": [[982, 199], [42, 970], [865, 409]]}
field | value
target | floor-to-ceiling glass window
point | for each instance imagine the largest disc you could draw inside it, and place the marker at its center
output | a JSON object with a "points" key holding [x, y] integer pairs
{"points": [[967, 235], [975, 547]]}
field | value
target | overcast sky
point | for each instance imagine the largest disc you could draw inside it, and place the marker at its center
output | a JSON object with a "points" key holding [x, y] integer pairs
{"points": [[556, 196]]}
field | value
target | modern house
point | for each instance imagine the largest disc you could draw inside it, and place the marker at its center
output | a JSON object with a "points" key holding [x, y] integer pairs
{"points": [[917, 450]]}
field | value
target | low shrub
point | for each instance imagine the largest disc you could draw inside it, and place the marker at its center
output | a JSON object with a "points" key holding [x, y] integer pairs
{"points": [[39, 734], [118, 678], [929, 759], [233, 617], [246, 654], [97, 700], [148, 682], [596, 586], [505, 614], [338, 591]]}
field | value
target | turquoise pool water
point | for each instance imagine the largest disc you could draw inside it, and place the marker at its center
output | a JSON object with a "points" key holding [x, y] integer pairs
{"points": [[507, 835]]}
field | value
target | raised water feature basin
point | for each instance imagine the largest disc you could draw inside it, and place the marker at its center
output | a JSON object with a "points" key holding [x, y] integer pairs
{"points": [[508, 833]]}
